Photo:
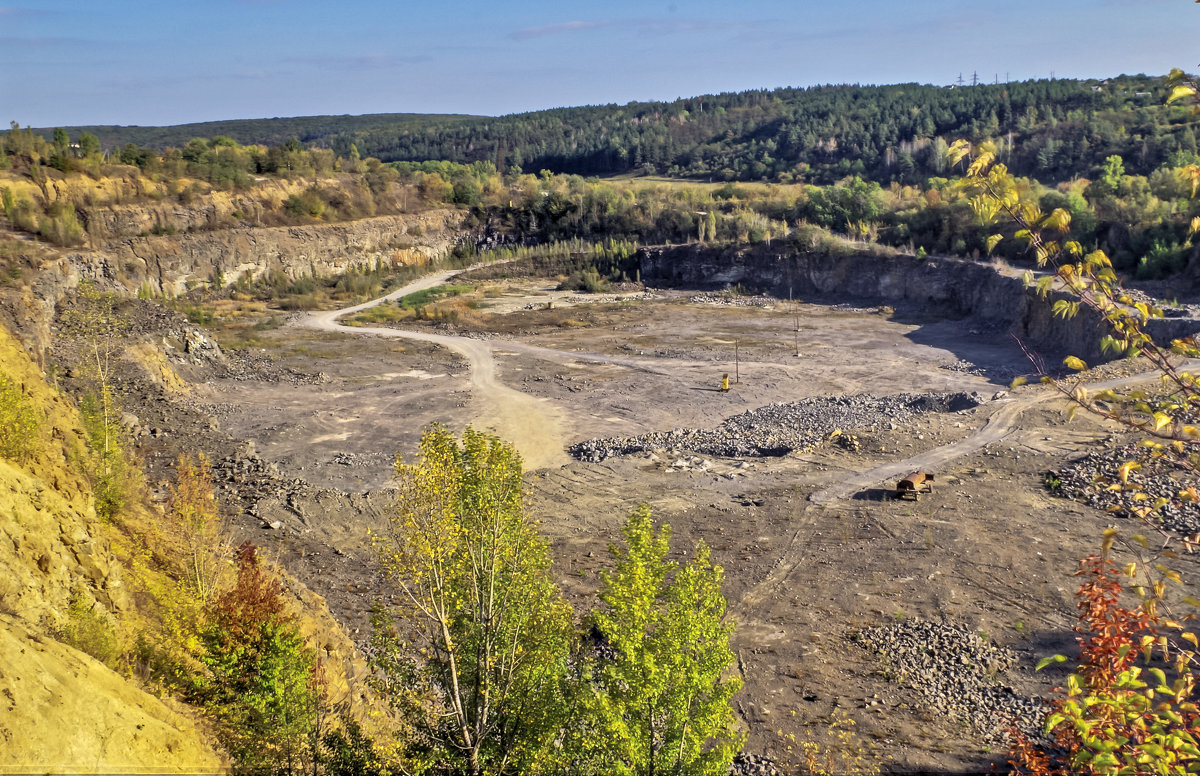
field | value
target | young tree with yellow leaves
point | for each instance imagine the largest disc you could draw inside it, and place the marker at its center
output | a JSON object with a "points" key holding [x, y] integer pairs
{"points": [[489, 629], [1119, 712]]}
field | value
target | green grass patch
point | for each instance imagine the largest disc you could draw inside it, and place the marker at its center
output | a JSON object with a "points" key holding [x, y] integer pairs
{"points": [[428, 296], [380, 313]]}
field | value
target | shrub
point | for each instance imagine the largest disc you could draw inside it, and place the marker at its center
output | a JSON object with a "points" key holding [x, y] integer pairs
{"points": [[110, 479], [1115, 716], [23, 215], [195, 517], [307, 203], [262, 685], [1162, 261], [845, 753], [90, 629], [60, 226], [20, 423], [587, 280]]}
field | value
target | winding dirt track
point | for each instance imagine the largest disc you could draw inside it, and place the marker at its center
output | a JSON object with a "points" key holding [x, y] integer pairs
{"points": [[998, 426], [534, 426]]}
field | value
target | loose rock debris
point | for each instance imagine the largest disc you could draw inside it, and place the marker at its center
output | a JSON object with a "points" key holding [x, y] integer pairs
{"points": [[958, 672], [1092, 480], [782, 428]]}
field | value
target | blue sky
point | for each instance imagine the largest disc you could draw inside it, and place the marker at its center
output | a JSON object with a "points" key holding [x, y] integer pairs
{"points": [[72, 62]]}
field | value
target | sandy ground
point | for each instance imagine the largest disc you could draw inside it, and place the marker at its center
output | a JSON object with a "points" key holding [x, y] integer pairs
{"points": [[812, 549]]}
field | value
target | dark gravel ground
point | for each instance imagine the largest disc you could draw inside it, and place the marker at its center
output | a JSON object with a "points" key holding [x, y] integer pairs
{"points": [[958, 673]]}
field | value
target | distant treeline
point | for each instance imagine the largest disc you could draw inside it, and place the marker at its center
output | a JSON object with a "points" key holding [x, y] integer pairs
{"points": [[1053, 130], [309, 130]]}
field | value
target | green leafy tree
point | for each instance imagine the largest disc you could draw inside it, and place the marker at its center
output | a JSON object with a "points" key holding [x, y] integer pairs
{"points": [[480, 608], [262, 674], [96, 320], [661, 703], [111, 472], [1113, 172], [195, 519], [88, 144]]}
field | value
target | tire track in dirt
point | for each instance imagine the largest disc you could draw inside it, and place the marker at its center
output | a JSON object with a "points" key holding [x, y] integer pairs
{"points": [[998, 426]]}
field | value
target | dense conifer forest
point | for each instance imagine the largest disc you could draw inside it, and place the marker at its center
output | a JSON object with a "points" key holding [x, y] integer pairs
{"points": [[1053, 130]]}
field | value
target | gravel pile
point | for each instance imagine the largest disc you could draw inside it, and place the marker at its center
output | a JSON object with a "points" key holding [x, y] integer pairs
{"points": [[745, 764], [958, 673], [728, 300], [778, 429], [612, 298], [964, 366], [361, 460], [848, 307], [1087, 480], [245, 365]]}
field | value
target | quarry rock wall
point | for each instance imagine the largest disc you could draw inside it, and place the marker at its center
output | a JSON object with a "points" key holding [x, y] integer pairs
{"points": [[171, 264], [954, 288]]}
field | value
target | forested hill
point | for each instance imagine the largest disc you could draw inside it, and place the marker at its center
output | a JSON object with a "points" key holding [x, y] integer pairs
{"points": [[309, 130], [1057, 130], [1053, 130]]}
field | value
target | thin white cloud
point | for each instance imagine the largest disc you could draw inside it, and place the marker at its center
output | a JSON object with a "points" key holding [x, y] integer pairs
{"points": [[17, 40]]}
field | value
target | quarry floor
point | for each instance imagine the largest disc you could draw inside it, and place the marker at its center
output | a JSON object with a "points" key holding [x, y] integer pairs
{"points": [[992, 549]]}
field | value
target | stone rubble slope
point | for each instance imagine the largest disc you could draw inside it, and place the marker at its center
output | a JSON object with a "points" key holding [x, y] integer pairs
{"points": [[958, 673], [1088, 479]]}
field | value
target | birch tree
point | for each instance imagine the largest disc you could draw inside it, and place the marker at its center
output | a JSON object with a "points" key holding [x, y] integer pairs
{"points": [[479, 610]]}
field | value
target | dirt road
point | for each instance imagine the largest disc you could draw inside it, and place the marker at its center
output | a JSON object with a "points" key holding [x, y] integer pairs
{"points": [[532, 425], [997, 427], [536, 425]]}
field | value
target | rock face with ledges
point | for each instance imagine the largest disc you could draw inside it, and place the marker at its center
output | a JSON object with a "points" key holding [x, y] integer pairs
{"points": [[955, 288], [171, 263], [168, 263]]}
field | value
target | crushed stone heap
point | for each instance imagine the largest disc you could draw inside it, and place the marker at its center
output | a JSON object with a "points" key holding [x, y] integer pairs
{"points": [[781, 428], [1089, 480], [958, 672]]}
